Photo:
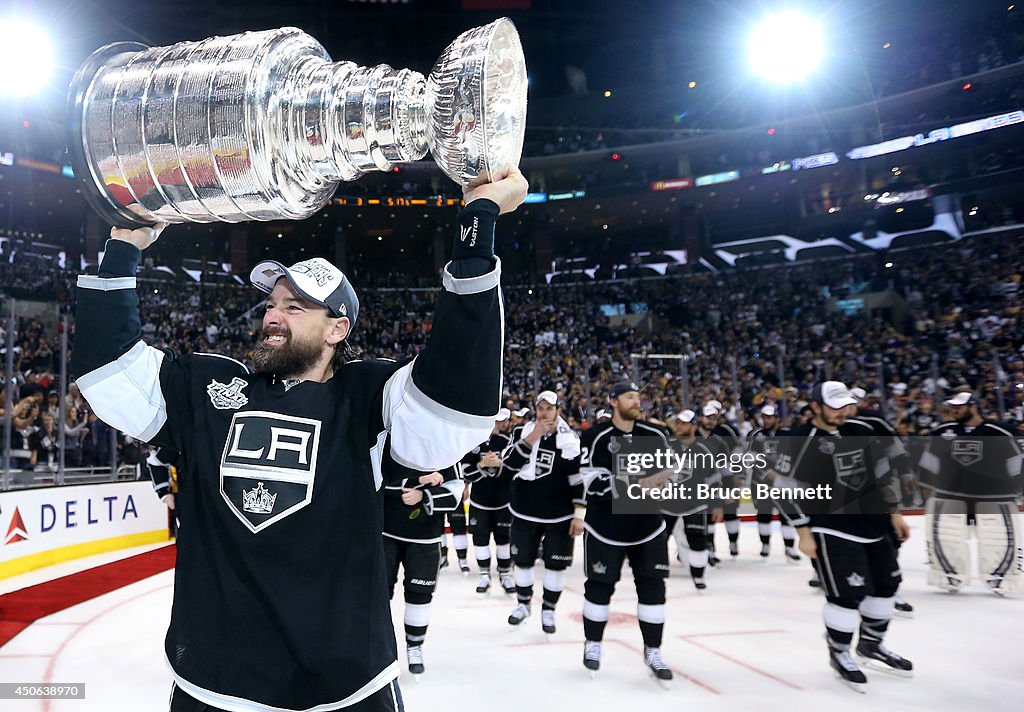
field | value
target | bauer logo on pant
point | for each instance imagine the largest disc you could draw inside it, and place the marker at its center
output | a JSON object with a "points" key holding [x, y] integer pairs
{"points": [[268, 466]]}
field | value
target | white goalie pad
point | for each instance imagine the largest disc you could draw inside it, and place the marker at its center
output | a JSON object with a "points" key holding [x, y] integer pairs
{"points": [[1000, 556], [949, 557]]}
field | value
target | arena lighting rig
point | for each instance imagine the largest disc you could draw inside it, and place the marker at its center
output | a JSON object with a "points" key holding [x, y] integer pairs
{"points": [[786, 47], [26, 58]]}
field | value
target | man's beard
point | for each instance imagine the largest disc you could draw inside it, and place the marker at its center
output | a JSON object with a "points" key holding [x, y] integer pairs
{"points": [[629, 414], [291, 359]]}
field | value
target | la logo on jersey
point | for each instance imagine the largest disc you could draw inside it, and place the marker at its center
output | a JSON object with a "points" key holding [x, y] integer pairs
{"points": [[967, 452], [851, 470], [268, 466]]}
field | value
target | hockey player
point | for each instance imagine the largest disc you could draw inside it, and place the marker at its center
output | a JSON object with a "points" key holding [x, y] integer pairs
{"points": [[159, 464], [280, 596], [721, 438], [687, 520], [460, 541], [899, 462], [765, 441], [544, 462], [489, 517], [973, 467], [850, 544], [413, 521], [610, 538]]}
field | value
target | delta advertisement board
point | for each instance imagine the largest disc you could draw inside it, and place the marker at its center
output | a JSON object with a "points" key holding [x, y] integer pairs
{"points": [[48, 525]]}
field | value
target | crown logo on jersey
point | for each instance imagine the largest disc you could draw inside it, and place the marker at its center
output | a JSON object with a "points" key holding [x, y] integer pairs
{"points": [[258, 500], [855, 580], [227, 396], [599, 568]]}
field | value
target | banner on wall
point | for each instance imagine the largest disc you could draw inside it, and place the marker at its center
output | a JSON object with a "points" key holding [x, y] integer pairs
{"points": [[49, 525]]}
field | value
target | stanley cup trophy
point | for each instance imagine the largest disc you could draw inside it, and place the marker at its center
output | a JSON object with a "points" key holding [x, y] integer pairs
{"points": [[263, 125]]}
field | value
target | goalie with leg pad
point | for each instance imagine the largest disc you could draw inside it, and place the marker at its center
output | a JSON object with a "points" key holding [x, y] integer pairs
{"points": [[973, 469]]}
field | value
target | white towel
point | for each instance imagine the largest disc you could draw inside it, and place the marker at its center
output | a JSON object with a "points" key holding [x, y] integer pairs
{"points": [[566, 440]]}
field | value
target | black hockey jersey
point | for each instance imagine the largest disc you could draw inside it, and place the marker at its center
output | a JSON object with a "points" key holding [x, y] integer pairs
{"points": [[895, 450], [491, 486], [598, 447], [280, 595], [423, 522], [852, 460], [698, 468], [546, 489], [159, 463], [980, 463], [764, 442]]}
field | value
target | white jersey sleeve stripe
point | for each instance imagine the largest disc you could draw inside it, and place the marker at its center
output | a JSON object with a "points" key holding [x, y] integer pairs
{"points": [[105, 284], [426, 435], [127, 392]]}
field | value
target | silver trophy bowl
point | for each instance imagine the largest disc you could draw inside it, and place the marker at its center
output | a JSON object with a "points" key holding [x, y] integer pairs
{"points": [[264, 126]]}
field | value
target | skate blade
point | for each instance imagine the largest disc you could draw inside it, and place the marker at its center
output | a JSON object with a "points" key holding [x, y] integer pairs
{"points": [[858, 687], [878, 666], [549, 637], [664, 684], [483, 594], [903, 614]]}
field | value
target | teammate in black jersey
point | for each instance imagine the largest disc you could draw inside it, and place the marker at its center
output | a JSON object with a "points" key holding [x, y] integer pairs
{"points": [[490, 486], [765, 441], [688, 521], [159, 464], [899, 462], [851, 545], [544, 460], [722, 439], [413, 521], [459, 526], [610, 538], [280, 595], [972, 470]]}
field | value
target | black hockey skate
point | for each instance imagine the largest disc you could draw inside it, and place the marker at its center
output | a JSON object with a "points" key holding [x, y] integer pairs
{"points": [[903, 609], [699, 584], [659, 670], [464, 567], [766, 550], [878, 657], [547, 621], [484, 586], [414, 656], [520, 614], [792, 555], [592, 656], [847, 670]]}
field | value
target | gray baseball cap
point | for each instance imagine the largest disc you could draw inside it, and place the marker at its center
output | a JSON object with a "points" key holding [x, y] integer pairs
{"points": [[315, 280]]}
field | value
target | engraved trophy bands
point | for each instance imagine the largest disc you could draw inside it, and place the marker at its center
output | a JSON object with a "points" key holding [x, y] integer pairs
{"points": [[263, 126]]}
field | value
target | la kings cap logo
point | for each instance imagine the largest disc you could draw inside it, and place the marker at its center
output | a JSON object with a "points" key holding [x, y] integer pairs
{"points": [[268, 466]]}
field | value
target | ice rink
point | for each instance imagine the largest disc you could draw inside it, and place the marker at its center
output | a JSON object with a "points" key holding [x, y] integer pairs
{"points": [[753, 640]]}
